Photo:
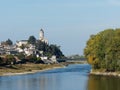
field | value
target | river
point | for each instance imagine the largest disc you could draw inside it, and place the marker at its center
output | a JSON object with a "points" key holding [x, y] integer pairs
{"points": [[73, 77]]}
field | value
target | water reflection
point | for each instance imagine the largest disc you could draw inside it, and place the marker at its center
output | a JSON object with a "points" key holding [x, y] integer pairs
{"points": [[103, 83], [73, 77], [30, 82]]}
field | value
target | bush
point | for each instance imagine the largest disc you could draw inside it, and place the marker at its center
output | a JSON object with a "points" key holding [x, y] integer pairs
{"points": [[10, 59], [39, 61], [31, 58]]}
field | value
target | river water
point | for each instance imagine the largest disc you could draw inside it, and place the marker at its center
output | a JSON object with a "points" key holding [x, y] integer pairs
{"points": [[73, 77]]}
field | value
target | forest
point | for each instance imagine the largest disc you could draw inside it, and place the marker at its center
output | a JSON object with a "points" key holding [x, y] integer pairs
{"points": [[103, 50]]}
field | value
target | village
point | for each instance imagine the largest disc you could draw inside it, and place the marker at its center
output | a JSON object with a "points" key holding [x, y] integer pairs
{"points": [[24, 48]]}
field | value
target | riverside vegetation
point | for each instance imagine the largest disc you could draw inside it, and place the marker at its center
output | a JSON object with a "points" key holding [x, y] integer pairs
{"points": [[26, 68], [103, 51]]}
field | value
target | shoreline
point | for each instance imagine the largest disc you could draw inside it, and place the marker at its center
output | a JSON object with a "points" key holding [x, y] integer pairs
{"points": [[30, 69], [28, 72], [115, 74]]}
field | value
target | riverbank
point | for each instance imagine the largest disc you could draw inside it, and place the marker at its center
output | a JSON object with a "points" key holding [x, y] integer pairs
{"points": [[27, 69], [30, 68], [103, 73]]}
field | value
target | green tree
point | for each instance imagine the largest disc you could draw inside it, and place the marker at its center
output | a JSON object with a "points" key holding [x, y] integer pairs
{"points": [[1, 61], [10, 59], [55, 50], [32, 40], [49, 50], [31, 58], [103, 49], [9, 42], [41, 46], [21, 56]]}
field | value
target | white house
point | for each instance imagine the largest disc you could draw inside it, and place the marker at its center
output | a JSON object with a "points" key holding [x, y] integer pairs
{"points": [[44, 58], [22, 42], [53, 59]]}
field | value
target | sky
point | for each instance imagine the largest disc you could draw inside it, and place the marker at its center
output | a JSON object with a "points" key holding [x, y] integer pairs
{"points": [[67, 23]]}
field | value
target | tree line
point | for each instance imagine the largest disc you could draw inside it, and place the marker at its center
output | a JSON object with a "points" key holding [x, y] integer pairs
{"points": [[103, 50]]}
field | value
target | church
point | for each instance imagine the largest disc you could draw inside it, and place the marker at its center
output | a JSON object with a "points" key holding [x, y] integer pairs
{"points": [[29, 48], [41, 38]]}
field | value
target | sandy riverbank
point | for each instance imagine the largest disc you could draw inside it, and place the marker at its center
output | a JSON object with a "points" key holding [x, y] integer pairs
{"points": [[27, 69], [31, 68], [30, 72]]}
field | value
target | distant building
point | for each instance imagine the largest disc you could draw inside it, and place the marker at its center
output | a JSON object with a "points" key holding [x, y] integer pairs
{"points": [[22, 46], [53, 59], [44, 58], [8, 49], [13, 52], [2, 50], [25, 42], [41, 37], [31, 50], [21, 42]]}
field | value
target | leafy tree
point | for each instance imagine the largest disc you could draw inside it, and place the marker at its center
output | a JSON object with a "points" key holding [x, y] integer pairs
{"points": [[32, 40], [103, 49], [10, 59], [1, 61], [9, 42], [49, 50], [31, 58], [39, 61], [21, 56], [55, 50], [41, 46]]}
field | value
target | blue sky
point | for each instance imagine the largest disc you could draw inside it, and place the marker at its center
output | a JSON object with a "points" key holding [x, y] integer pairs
{"points": [[67, 23]]}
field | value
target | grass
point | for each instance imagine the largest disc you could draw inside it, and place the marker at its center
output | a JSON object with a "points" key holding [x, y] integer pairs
{"points": [[26, 68], [99, 70], [31, 67]]}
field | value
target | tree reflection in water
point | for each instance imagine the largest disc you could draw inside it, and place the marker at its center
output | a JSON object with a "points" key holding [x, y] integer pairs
{"points": [[103, 83]]}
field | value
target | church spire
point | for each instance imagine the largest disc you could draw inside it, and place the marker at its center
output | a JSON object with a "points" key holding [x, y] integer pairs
{"points": [[41, 34], [41, 37]]}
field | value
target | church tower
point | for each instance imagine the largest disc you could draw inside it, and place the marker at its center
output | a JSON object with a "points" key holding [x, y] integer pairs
{"points": [[41, 37]]}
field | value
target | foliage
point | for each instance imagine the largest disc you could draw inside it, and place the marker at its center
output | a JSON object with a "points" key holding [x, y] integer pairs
{"points": [[10, 59], [39, 61], [31, 58], [1, 61], [32, 40], [21, 56], [49, 50], [103, 50], [9, 42], [55, 50], [76, 56]]}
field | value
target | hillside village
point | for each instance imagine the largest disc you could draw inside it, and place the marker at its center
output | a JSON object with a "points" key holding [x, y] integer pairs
{"points": [[31, 49]]}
